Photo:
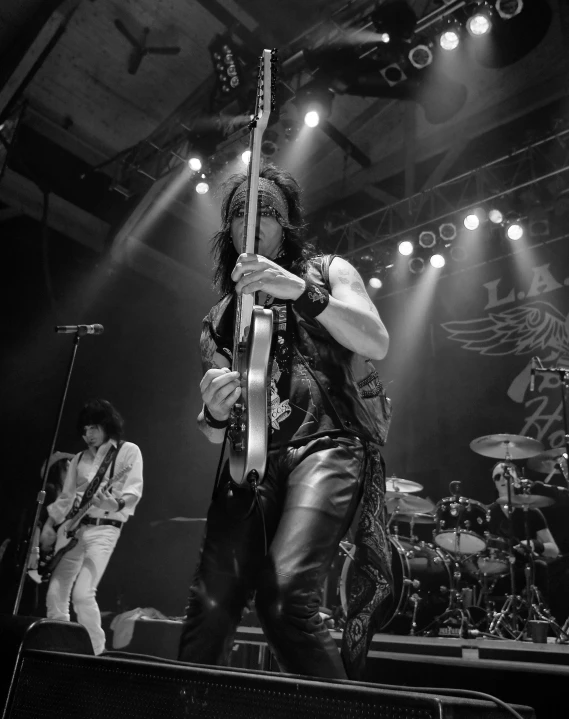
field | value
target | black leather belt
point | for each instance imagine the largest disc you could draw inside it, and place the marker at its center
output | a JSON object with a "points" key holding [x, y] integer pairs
{"points": [[99, 520]]}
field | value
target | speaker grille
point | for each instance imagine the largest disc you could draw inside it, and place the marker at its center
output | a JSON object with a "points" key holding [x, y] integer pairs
{"points": [[75, 687]]}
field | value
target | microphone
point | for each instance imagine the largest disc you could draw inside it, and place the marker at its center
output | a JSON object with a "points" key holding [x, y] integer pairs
{"points": [[81, 330], [532, 375]]}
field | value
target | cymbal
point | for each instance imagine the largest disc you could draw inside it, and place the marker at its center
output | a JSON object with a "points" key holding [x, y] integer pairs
{"points": [[546, 461], [398, 485], [527, 500], [417, 518], [506, 446], [409, 504]]}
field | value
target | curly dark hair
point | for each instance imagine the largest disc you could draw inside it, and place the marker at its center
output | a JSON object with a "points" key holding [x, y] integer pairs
{"points": [[101, 412], [297, 250]]}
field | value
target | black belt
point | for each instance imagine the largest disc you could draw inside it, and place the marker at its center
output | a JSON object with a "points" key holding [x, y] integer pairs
{"points": [[98, 520]]}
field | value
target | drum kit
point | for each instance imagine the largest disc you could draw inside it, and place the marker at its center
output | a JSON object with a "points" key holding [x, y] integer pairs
{"points": [[447, 586]]}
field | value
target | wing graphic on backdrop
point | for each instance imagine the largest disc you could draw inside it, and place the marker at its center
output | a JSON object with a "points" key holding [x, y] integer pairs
{"points": [[535, 328]]}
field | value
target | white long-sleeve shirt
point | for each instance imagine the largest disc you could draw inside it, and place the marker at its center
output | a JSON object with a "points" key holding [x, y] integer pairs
{"points": [[83, 467]]}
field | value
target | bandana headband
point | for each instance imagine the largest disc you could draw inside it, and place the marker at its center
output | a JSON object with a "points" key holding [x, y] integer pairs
{"points": [[270, 195]]}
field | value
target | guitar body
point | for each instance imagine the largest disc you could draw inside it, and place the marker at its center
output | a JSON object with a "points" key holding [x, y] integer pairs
{"points": [[49, 562], [249, 430]]}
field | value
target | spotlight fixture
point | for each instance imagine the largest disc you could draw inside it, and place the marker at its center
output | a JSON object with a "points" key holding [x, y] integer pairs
{"points": [[314, 101], [195, 164], [393, 74], [420, 56], [416, 265], [312, 118], [471, 221], [225, 63], [515, 231], [202, 188], [405, 248], [245, 157], [479, 24], [496, 216], [375, 283], [449, 40], [458, 254], [427, 239], [437, 261], [507, 9], [447, 231]]}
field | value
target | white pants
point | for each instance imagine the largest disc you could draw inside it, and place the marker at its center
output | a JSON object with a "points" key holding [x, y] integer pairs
{"points": [[81, 570]]}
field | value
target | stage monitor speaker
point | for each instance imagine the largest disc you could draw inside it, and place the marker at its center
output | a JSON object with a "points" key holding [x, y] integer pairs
{"points": [[56, 685]]}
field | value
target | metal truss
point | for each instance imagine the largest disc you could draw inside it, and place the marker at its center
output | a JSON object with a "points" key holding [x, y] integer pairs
{"points": [[149, 160], [527, 178]]}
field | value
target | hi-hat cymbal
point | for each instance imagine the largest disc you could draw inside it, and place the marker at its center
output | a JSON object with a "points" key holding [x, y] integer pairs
{"points": [[547, 461], [398, 485], [417, 518], [409, 504], [527, 500], [506, 446]]}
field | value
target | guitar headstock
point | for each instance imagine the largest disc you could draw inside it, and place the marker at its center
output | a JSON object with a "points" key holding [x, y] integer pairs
{"points": [[266, 83]]}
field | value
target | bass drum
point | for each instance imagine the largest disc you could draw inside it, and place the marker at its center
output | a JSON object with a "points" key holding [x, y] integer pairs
{"points": [[422, 578]]}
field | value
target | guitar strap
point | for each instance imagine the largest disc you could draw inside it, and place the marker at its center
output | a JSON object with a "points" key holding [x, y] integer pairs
{"points": [[98, 478]]}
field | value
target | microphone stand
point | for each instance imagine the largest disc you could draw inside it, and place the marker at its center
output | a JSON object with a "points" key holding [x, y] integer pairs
{"points": [[511, 555], [41, 494]]}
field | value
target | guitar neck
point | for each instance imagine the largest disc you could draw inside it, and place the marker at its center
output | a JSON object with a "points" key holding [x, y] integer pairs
{"points": [[265, 99]]}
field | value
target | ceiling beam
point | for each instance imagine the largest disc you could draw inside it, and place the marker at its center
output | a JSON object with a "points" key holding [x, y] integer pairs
{"points": [[427, 147], [30, 53]]}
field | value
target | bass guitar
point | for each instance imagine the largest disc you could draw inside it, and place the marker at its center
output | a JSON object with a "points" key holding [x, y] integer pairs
{"points": [[248, 426], [66, 537]]}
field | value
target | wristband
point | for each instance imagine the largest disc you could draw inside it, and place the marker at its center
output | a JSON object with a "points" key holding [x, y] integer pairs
{"points": [[312, 301], [212, 421], [538, 547], [121, 504]]}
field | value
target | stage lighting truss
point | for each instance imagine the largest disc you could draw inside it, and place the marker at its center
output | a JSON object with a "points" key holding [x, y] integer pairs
{"points": [[427, 239], [447, 231], [507, 9]]}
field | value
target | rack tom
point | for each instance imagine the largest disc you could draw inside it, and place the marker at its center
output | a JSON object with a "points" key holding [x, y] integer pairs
{"points": [[461, 525]]}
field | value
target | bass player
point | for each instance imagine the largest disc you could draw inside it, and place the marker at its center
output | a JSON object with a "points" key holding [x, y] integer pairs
{"points": [[79, 571], [328, 417]]}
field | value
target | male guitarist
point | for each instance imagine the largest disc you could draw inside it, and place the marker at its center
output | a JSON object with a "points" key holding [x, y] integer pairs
{"points": [[328, 416], [79, 571]]}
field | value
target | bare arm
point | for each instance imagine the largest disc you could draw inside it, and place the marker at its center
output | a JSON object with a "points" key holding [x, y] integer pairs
{"points": [[550, 548], [220, 388], [351, 317]]}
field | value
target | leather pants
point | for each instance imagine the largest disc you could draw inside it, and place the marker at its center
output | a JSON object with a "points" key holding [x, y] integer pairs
{"points": [[279, 547]]}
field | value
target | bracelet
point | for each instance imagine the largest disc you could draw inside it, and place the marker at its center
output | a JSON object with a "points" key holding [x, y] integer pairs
{"points": [[212, 421], [312, 301], [121, 504]]}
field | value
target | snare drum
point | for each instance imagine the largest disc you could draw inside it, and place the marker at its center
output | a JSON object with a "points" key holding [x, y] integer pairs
{"points": [[422, 579], [461, 525], [494, 561]]}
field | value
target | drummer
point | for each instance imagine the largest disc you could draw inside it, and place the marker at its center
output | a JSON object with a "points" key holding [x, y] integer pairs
{"points": [[541, 540]]}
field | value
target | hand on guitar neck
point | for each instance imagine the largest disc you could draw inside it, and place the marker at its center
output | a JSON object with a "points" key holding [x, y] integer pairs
{"points": [[255, 273]]}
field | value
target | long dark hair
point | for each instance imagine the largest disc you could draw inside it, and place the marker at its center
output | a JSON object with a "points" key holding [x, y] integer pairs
{"points": [[296, 250], [101, 412]]}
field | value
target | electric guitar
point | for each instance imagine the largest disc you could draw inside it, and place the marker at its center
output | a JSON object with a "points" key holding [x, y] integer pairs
{"points": [[253, 330], [66, 539]]}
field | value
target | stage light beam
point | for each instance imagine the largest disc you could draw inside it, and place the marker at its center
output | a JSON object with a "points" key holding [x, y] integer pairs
{"points": [[312, 118]]}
